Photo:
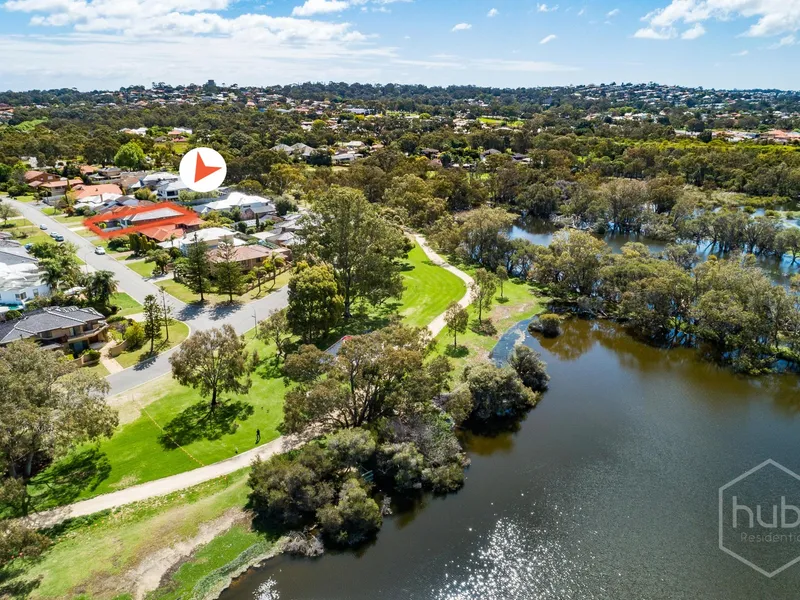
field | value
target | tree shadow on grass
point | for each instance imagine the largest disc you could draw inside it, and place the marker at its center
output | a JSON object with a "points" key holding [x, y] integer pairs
{"points": [[199, 422], [458, 352], [503, 300], [65, 480], [14, 588], [484, 328]]}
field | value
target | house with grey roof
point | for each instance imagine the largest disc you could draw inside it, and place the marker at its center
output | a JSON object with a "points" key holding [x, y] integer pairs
{"points": [[68, 328]]}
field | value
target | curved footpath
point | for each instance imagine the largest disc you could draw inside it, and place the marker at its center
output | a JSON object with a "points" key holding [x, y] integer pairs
{"points": [[174, 483]]}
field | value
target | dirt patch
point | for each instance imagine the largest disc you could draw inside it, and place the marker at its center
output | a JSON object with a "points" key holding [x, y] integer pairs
{"points": [[129, 404], [147, 575]]}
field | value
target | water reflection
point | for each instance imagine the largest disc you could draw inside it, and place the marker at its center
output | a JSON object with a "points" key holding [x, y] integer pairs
{"points": [[541, 233], [608, 490]]}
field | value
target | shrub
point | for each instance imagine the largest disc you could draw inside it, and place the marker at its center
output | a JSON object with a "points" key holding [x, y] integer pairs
{"points": [[446, 478], [530, 367], [458, 404], [354, 519], [548, 324], [91, 356], [404, 463], [498, 392], [134, 336]]}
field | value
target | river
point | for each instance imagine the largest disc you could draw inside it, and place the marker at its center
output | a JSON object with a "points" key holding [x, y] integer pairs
{"points": [[607, 490]]}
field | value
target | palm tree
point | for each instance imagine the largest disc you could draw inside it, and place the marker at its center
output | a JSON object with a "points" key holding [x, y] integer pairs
{"points": [[101, 286]]}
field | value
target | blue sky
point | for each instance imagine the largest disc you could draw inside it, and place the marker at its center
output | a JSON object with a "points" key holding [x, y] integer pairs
{"points": [[104, 44]]}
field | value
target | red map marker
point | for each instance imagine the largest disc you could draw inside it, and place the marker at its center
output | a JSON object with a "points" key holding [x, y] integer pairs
{"points": [[201, 170]]}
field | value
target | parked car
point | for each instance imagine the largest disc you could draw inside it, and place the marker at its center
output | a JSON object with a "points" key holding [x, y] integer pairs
{"points": [[53, 234], [58, 237], [99, 250], [42, 226]]}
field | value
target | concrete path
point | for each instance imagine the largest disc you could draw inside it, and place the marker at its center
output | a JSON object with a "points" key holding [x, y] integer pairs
{"points": [[162, 487], [111, 364], [167, 485], [438, 324]]}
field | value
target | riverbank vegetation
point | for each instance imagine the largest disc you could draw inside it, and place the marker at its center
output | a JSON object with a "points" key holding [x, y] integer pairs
{"points": [[728, 309]]}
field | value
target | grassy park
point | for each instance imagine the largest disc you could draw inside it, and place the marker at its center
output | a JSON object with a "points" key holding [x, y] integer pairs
{"points": [[166, 429]]}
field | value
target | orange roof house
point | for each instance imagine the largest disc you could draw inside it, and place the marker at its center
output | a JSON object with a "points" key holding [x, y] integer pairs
{"points": [[84, 191], [161, 222]]}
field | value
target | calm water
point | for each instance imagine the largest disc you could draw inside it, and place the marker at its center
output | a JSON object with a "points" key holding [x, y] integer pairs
{"points": [[608, 490], [541, 233]]}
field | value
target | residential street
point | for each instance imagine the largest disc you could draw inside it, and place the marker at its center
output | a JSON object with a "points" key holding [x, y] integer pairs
{"points": [[199, 317]]}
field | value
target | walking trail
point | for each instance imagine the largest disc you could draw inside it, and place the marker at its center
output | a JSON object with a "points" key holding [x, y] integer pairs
{"points": [[181, 481]]}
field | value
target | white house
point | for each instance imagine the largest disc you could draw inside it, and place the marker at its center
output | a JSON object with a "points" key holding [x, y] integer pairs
{"points": [[212, 236], [20, 277], [171, 190], [250, 206]]}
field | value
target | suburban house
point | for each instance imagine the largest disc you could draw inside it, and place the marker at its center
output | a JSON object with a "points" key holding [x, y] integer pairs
{"points": [[66, 328], [109, 172], [299, 150], [37, 178], [161, 221], [171, 190], [85, 191], [248, 257], [249, 207], [346, 158], [20, 277], [212, 236], [156, 180]]}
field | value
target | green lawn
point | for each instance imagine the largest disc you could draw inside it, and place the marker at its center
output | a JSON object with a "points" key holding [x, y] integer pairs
{"points": [[428, 290], [178, 331], [15, 223], [157, 416], [144, 269], [108, 546], [73, 220], [26, 198], [183, 293], [126, 304]]}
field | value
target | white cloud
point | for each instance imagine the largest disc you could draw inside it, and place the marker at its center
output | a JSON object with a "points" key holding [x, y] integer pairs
{"points": [[581, 12], [493, 13], [696, 31], [772, 17], [462, 27], [612, 13], [544, 8], [742, 53], [548, 39], [316, 7], [789, 40], [648, 33]]}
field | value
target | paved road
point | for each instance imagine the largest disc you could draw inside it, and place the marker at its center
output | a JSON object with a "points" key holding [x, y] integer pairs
{"points": [[241, 317], [173, 483]]}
